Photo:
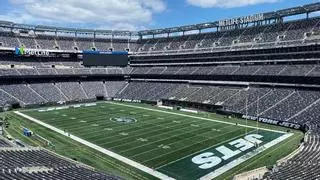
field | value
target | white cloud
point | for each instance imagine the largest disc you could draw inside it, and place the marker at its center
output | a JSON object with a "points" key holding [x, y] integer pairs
{"points": [[227, 3], [97, 13], [157, 6]]}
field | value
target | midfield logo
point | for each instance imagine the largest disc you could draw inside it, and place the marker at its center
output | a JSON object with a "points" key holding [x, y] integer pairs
{"points": [[124, 120]]}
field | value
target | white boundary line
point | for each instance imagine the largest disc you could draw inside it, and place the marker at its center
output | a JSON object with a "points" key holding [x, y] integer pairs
{"points": [[196, 117], [100, 149], [244, 158]]}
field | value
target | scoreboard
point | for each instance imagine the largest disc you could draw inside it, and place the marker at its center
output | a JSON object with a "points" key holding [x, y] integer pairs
{"points": [[105, 58]]}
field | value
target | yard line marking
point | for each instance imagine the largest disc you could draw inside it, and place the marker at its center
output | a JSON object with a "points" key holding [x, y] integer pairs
{"points": [[76, 127], [205, 149], [116, 130], [179, 142], [174, 129], [157, 135], [175, 135], [79, 127], [100, 149], [196, 117], [192, 145]]}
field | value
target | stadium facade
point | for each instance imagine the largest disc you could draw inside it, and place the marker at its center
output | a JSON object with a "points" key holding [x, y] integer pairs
{"points": [[258, 67]]}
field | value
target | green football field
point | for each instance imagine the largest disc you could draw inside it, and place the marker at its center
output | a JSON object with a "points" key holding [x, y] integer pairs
{"points": [[180, 145]]}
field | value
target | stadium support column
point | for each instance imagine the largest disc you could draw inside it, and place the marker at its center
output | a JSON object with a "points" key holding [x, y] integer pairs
{"points": [[112, 36], [129, 40], [279, 19], [2, 124], [4, 118]]}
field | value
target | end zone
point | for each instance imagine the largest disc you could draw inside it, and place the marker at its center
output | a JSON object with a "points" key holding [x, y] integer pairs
{"points": [[214, 161]]}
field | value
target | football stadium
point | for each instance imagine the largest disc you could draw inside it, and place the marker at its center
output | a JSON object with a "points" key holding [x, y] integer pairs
{"points": [[235, 98]]}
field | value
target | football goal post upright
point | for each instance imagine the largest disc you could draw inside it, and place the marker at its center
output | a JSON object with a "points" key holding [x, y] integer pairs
{"points": [[247, 113], [258, 100]]}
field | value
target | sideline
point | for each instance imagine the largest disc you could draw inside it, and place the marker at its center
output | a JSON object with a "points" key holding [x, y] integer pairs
{"points": [[100, 149]]}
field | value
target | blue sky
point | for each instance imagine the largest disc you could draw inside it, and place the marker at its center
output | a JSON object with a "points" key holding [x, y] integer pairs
{"points": [[134, 14], [181, 13]]}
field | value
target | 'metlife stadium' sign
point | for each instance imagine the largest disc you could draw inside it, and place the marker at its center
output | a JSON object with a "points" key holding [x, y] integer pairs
{"points": [[241, 20], [30, 52]]}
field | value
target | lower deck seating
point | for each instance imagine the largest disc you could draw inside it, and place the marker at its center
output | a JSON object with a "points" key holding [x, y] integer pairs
{"points": [[286, 104], [40, 164], [305, 165], [4, 143]]}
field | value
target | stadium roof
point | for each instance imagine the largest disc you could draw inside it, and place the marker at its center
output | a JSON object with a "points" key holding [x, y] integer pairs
{"points": [[306, 9]]}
